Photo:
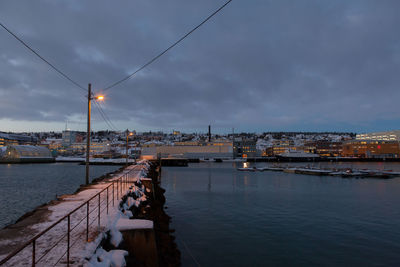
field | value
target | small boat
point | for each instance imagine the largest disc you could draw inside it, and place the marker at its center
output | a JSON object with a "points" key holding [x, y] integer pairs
{"points": [[391, 173], [290, 170], [375, 174], [350, 173], [275, 169], [247, 169], [297, 155], [312, 171]]}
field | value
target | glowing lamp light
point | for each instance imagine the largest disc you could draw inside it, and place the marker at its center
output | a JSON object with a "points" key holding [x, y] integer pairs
{"points": [[100, 97]]}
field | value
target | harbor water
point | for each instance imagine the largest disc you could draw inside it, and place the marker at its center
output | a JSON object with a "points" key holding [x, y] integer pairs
{"points": [[23, 187], [224, 217]]}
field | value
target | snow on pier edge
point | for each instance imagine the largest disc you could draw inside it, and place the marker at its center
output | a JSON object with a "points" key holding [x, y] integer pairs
{"points": [[85, 253]]}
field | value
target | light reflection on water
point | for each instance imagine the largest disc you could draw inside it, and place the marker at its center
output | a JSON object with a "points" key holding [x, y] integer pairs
{"points": [[232, 218], [23, 187]]}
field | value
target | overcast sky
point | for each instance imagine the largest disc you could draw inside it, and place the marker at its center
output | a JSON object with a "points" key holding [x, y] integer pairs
{"points": [[259, 65]]}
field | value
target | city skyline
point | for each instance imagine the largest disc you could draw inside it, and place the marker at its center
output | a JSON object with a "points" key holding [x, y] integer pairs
{"points": [[259, 66]]}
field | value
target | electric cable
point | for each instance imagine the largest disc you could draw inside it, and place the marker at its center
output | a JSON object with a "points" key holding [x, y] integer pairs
{"points": [[105, 117], [42, 58], [169, 48], [105, 114]]}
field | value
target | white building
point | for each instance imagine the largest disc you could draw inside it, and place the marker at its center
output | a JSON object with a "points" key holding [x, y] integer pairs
{"points": [[380, 136]]}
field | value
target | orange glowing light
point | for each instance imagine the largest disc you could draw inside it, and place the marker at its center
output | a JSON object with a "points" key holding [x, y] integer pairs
{"points": [[100, 97]]}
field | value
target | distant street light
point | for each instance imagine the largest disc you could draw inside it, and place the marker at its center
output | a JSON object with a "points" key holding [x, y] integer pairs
{"points": [[90, 98], [127, 140]]}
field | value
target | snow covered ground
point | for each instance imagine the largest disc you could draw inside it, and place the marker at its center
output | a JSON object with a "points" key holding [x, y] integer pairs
{"points": [[51, 247]]}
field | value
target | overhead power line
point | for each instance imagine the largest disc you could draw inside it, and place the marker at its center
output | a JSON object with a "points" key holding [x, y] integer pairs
{"points": [[101, 114], [105, 117], [42, 58], [169, 48]]}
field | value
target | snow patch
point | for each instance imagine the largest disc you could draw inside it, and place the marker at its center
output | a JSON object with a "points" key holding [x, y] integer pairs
{"points": [[128, 224], [113, 258]]}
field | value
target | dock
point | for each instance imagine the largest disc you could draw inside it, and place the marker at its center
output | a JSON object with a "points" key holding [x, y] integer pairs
{"points": [[344, 172]]}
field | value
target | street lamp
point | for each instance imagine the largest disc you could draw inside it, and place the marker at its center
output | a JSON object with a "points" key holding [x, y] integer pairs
{"points": [[127, 140], [90, 98]]}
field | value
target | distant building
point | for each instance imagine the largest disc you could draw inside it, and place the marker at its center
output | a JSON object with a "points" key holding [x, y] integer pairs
{"points": [[278, 150], [380, 136], [244, 148], [95, 148], [27, 153], [220, 150], [17, 139], [70, 137], [324, 148], [371, 149]]}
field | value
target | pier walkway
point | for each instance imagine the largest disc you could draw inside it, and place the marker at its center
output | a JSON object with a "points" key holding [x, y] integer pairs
{"points": [[62, 233]]}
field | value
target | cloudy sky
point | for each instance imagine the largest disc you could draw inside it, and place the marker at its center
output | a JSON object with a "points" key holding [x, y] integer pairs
{"points": [[259, 65]]}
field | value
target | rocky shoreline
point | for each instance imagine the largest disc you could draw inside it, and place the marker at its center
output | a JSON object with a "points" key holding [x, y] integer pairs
{"points": [[151, 209]]}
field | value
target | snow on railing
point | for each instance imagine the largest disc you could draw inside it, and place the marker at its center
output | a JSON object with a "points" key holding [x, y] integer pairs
{"points": [[70, 228]]}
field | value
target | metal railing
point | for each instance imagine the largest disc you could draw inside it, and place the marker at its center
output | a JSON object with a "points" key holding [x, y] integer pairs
{"points": [[71, 227]]}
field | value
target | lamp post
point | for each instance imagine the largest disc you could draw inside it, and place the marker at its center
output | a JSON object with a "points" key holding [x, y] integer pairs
{"points": [[127, 140], [90, 98]]}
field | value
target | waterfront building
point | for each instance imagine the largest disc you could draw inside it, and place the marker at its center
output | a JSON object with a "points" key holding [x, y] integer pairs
{"points": [[381, 136], [278, 150], [187, 143], [2, 141], [27, 153], [244, 148], [371, 149], [189, 151], [324, 148]]}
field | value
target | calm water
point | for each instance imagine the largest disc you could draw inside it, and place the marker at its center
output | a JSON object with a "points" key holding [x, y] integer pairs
{"points": [[26, 186], [224, 217]]}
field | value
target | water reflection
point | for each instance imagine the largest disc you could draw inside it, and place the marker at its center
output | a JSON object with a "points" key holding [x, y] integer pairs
{"points": [[209, 180], [282, 219]]}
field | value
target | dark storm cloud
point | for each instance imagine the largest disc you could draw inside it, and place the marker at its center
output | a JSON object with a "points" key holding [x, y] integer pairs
{"points": [[258, 65]]}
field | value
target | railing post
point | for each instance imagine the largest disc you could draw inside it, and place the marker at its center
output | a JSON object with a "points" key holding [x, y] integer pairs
{"points": [[107, 199], [68, 238], [87, 221], [98, 217], [33, 253], [117, 189], [113, 194]]}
